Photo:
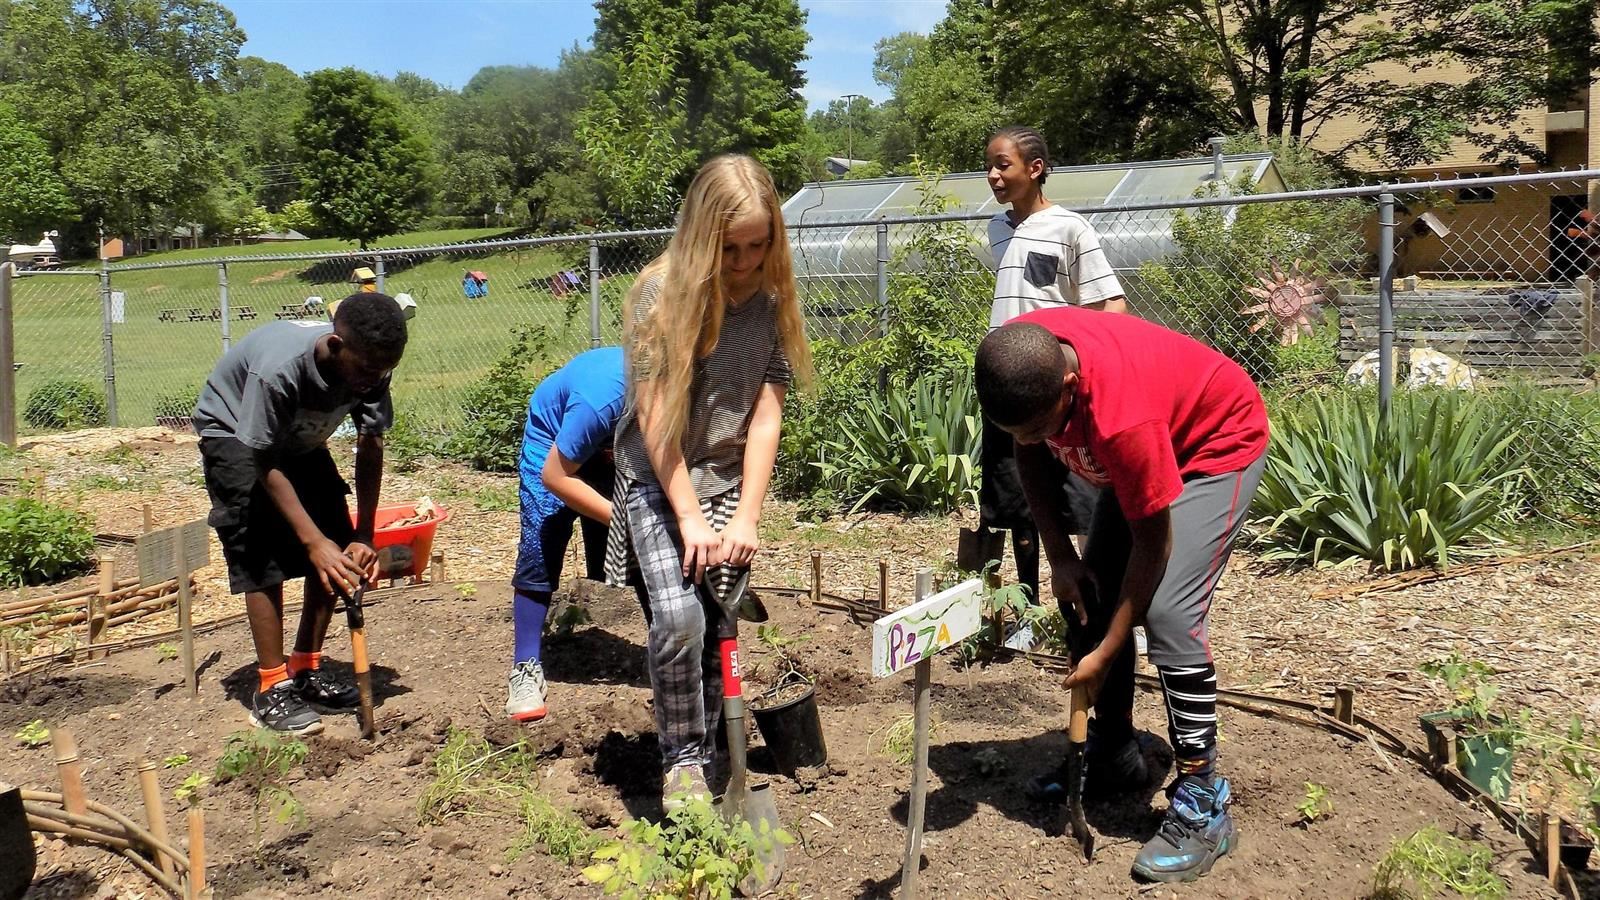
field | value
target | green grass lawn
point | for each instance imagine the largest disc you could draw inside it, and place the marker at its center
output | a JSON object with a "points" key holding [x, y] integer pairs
{"points": [[453, 339]]}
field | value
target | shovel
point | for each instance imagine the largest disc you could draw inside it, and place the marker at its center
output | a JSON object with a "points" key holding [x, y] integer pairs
{"points": [[1077, 743], [754, 805], [357, 620]]}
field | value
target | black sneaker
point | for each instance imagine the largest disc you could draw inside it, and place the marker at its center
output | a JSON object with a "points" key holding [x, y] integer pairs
{"points": [[279, 708], [324, 689], [1109, 770]]}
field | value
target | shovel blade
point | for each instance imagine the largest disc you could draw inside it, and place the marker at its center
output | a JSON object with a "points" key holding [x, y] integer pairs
{"points": [[1075, 818], [758, 807]]}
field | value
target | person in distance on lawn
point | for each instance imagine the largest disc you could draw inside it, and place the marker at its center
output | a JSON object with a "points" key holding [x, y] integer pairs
{"points": [[566, 472], [1176, 434], [277, 499]]}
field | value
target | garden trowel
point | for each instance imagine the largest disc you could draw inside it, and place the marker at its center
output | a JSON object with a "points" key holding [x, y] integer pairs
{"points": [[740, 801]]}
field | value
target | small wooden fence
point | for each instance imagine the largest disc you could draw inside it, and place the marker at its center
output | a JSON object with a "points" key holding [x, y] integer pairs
{"points": [[1543, 330]]}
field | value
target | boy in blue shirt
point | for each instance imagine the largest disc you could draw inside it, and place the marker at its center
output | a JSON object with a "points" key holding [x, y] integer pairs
{"points": [[566, 472]]}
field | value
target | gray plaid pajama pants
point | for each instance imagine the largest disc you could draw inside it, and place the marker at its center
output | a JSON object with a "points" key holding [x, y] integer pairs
{"points": [[644, 549]]}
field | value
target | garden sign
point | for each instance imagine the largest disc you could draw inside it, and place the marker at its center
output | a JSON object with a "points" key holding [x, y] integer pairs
{"points": [[911, 637]]}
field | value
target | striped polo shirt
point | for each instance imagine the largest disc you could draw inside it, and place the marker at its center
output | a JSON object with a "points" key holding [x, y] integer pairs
{"points": [[1052, 259]]}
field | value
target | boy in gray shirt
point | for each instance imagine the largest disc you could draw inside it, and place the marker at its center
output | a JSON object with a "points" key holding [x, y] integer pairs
{"points": [[277, 499]]}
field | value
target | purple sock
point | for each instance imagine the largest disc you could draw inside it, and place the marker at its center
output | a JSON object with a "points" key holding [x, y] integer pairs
{"points": [[528, 611]]}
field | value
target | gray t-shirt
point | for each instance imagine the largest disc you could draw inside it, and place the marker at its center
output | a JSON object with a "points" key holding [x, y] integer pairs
{"points": [[721, 399], [267, 393]]}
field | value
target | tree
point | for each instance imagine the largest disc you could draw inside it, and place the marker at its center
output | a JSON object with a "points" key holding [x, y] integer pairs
{"points": [[1471, 69], [365, 163], [120, 92], [261, 101], [735, 64], [33, 197]]}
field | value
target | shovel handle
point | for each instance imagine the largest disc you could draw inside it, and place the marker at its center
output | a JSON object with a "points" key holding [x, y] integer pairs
{"points": [[732, 674], [1078, 723], [363, 667]]}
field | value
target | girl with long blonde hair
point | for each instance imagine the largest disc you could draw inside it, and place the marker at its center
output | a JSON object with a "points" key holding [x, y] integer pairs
{"points": [[714, 336]]}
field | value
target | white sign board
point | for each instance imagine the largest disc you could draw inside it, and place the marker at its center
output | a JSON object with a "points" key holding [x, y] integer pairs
{"points": [[119, 303], [157, 551], [908, 636]]}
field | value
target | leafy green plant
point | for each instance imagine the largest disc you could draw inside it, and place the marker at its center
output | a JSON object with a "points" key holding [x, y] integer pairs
{"points": [[406, 445], [1469, 684], [179, 403], [1011, 602], [167, 652], [562, 834], [495, 407], [1488, 731], [781, 647], [40, 542], [466, 590], [65, 404], [175, 761], [1316, 804], [1430, 483], [33, 734], [695, 853], [1430, 862], [190, 791], [911, 451], [1562, 428], [261, 759], [469, 773], [899, 738], [497, 498]]}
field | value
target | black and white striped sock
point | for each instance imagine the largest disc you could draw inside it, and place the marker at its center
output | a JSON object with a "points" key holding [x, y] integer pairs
{"points": [[1191, 693]]}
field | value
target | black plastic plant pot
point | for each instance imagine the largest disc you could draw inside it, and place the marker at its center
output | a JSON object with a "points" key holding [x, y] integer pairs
{"points": [[1575, 846], [17, 858], [791, 727]]}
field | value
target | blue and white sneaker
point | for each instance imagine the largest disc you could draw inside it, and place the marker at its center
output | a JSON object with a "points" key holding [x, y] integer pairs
{"points": [[1195, 834]]}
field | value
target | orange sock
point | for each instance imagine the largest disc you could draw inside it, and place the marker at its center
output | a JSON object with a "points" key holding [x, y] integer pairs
{"points": [[270, 677], [300, 662]]}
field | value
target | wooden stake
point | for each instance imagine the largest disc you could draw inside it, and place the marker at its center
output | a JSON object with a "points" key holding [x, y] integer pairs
{"points": [[910, 870], [436, 569], [1552, 849], [180, 550], [96, 614], [883, 585], [816, 576], [149, 520], [197, 853], [1344, 705], [155, 817], [66, 747]]}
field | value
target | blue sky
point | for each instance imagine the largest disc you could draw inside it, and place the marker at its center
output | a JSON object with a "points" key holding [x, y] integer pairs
{"points": [[449, 40]]}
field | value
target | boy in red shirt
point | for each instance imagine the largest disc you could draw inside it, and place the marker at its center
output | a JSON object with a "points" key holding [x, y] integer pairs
{"points": [[1178, 433]]}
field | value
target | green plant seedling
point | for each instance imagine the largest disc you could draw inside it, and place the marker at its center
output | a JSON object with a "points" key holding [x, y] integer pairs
{"points": [[189, 792], [33, 734], [175, 761], [167, 652], [1432, 862], [466, 590], [261, 759], [572, 617], [1315, 805], [694, 853]]}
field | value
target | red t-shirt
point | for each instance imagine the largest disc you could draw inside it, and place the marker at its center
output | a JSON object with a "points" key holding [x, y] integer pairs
{"points": [[1153, 408]]}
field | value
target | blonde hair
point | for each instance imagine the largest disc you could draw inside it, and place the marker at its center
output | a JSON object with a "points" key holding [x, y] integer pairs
{"points": [[686, 320]]}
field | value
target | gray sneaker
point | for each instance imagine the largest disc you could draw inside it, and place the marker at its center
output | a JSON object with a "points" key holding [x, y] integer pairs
{"points": [[683, 783], [525, 700], [280, 708]]}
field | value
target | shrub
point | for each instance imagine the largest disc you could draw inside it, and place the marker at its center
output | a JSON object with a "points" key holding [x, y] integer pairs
{"points": [[65, 404], [496, 405], [913, 450], [694, 853], [1340, 487], [261, 760], [1562, 430], [40, 542], [179, 403]]}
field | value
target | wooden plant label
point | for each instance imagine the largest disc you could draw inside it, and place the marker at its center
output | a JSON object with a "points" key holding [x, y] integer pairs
{"points": [[913, 634], [159, 554]]}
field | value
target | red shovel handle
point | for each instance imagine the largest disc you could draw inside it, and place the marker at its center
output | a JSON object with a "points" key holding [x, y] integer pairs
{"points": [[732, 676]]}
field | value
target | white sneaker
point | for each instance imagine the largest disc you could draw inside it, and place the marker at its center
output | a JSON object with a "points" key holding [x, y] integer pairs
{"points": [[525, 702], [684, 782]]}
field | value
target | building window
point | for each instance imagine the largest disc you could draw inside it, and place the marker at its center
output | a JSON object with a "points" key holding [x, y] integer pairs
{"points": [[1475, 195]]}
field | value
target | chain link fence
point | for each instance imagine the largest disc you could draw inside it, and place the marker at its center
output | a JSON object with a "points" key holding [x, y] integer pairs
{"points": [[1488, 278]]}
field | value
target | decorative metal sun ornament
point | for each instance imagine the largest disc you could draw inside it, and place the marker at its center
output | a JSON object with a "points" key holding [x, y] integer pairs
{"points": [[1288, 302]]}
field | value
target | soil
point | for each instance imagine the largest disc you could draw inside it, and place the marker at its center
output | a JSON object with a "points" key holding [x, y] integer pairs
{"points": [[440, 657], [439, 662]]}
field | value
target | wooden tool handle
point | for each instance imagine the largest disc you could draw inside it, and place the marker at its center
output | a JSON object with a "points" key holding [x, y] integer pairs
{"points": [[358, 652], [1078, 725]]}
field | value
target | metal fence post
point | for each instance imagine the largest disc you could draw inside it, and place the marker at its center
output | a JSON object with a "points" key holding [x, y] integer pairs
{"points": [[222, 300], [378, 268], [8, 368], [1385, 303], [106, 343], [883, 280], [594, 293]]}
